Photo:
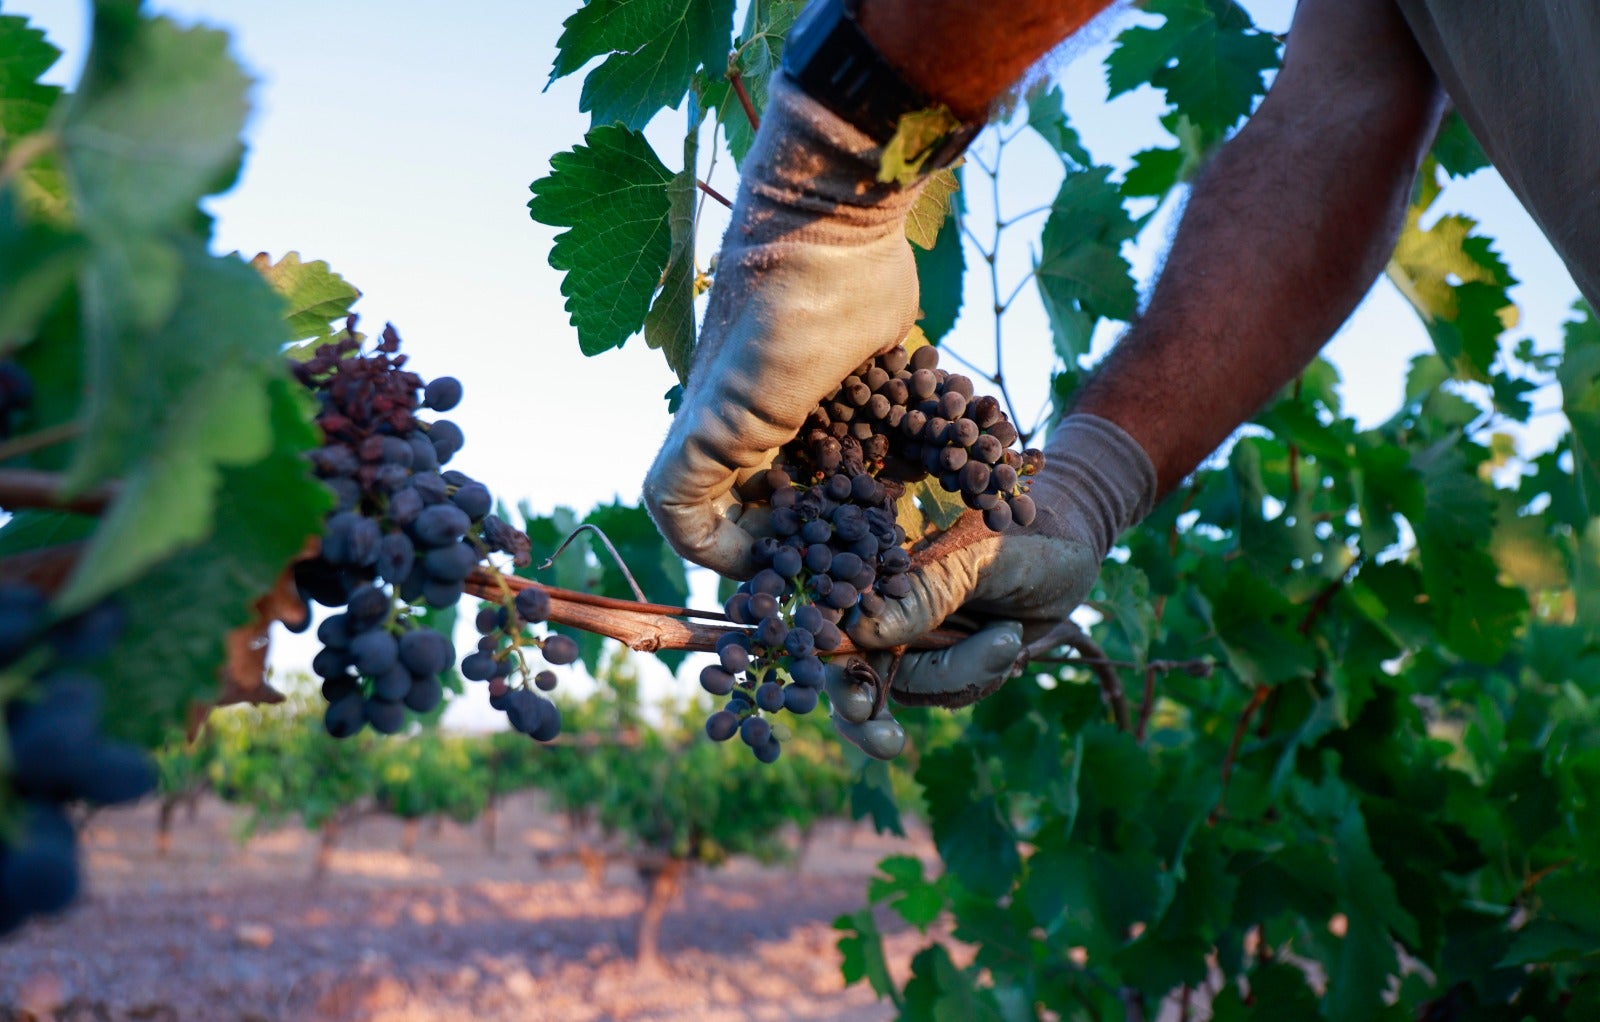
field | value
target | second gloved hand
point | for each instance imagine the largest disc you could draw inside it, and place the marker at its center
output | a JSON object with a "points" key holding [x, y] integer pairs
{"points": [[815, 276], [1097, 481]]}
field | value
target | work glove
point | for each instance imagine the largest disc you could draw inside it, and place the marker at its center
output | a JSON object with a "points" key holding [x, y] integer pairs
{"points": [[814, 278], [1014, 586]]}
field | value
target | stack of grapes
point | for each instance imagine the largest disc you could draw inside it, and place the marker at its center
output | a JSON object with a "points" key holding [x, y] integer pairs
{"points": [[405, 533], [835, 550], [56, 752]]}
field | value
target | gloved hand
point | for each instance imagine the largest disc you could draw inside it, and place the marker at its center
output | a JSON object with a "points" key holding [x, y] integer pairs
{"points": [[814, 278], [1097, 481]]}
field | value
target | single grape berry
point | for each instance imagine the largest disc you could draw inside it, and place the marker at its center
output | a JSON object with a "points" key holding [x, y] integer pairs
{"points": [[560, 649]]}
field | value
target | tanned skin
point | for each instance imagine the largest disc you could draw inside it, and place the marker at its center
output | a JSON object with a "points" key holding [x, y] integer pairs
{"points": [[1283, 233]]}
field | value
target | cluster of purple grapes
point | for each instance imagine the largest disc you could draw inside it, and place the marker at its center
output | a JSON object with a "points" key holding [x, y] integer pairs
{"points": [[405, 532], [501, 658], [905, 419], [834, 549], [16, 396], [834, 552], [57, 754]]}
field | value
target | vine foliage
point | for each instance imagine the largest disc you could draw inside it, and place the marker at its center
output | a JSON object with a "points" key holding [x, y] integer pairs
{"points": [[1380, 804]]}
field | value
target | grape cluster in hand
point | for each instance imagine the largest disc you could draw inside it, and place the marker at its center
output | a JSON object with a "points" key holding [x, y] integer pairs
{"points": [[405, 532], [834, 550], [905, 419], [57, 754]]}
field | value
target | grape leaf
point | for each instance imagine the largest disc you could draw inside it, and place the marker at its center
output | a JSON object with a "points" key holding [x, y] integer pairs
{"points": [[669, 325], [903, 888], [202, 404], [1154, 173], [1476, 615], [612, 195], [38, 262], [915, 138], [941, 992], [154, 124], [941, 270], [872, 797], [25, 105], [974, 838], [1208, 57], [1457, 284], [861, 954], [758, 54], [931, 208], [940, 508], [652, 49], [181, 610], [1579, 376], [1047, 115], [1081, 272], [1457, 149], [318, 299]]}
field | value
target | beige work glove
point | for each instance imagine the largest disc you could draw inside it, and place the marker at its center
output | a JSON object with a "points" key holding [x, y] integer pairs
{"points": [[1017, 584], [815, 277]]}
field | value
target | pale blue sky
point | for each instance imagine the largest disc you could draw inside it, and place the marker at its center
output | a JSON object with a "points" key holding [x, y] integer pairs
{"points": [[396, 140]]}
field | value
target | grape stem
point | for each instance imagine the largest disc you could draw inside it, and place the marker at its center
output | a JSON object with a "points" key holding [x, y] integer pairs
{"points": [[38, 440], [736, 79], [612, 550], [1067, 633], [714, 193], [31, 488], [644, 627]]}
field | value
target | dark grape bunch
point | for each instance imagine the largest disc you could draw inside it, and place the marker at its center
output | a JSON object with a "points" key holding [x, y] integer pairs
{"points": [[56, 752], [835, 550], [16, 396], [501, 660], [405, 533], [904, 419]]}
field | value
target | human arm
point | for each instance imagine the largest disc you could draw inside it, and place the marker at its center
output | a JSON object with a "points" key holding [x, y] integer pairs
{"points": [[1282, 235]]}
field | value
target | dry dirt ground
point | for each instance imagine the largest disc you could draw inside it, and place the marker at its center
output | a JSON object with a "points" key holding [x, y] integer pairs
{"points": [[218, 932]]}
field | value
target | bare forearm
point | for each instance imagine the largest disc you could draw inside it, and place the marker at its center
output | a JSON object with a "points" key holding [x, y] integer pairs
{"points": [[1282, 236], [965, 53]]}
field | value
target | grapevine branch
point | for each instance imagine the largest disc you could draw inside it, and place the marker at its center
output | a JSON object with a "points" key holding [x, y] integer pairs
{"points": [[29, 488], [1067, 633], [644, 627], [714, 193], [736, 79]]}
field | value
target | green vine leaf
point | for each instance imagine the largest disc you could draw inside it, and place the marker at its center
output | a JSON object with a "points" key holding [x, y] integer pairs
{"points": [[26, 104], [611, 194], [154, 125], [1081, 273], [915, 138], [1208, 57], [1456, 282], [318, 299], [941, 271], [651, 50], [203, 405], [1047, 115], [183, 609], [1579, 376], [669, 325], [932, 208]]}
